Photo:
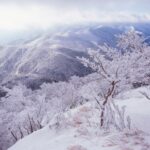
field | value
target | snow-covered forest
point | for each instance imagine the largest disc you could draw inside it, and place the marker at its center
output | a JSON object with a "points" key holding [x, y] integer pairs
{"points": [[97, 106]]}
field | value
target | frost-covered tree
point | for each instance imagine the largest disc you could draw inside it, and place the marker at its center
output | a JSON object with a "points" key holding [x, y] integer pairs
{"points": [[119, 68], [23, 111], [19, 113]]}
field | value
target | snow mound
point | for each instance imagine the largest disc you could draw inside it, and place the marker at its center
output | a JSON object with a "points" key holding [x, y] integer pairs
{"points": [[78, 129]]}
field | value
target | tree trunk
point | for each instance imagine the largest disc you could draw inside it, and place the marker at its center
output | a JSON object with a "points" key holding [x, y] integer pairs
{"points": [[106, 98]]}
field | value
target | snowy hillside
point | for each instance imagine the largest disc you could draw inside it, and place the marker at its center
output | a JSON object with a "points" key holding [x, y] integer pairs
{"points": [[74, 75], [46, 58], [78, 129], [90, 107]]}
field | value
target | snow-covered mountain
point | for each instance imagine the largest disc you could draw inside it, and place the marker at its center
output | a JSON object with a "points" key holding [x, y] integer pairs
{"points": [[52, 56]]}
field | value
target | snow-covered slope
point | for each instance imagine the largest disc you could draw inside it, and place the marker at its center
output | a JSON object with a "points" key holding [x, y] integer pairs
{"points": [[79, 129]]}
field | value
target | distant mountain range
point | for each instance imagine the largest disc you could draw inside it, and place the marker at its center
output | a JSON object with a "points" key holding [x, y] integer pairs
{"points": [[52, 56]]}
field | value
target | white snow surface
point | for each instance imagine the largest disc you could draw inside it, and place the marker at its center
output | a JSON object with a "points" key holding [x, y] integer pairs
{"points": [[78, 129]]}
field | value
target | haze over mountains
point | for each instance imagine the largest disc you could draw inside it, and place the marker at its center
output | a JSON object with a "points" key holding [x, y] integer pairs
{"points": [[52, 56]]}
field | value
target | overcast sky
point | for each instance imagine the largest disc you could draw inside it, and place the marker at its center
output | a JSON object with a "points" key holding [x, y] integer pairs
{"points": [[23, 14]]}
